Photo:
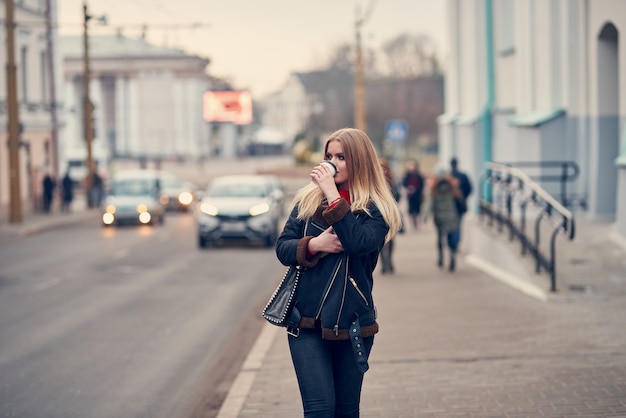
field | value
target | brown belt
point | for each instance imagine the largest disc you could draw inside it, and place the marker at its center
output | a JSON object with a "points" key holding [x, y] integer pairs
{"points": [[329, 334]]}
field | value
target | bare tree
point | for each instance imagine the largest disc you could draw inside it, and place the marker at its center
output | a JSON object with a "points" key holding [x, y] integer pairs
{"points": [[411, 55], [412, 89], [342, 58]]}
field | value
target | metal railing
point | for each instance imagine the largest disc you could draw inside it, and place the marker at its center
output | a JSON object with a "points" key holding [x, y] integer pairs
{"points": [[551, 172], [509, 196]]}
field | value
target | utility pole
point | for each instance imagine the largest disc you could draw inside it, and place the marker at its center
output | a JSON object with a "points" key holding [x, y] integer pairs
{"points": [[359, 77], [52, 86], [13, 113], [359, 86], [87, 108]]}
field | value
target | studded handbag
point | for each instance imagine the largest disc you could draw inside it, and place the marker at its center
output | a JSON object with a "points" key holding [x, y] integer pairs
{"points": [[278, 308]]}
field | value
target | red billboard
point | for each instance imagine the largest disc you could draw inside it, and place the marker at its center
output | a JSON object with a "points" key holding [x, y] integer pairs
{"points": [[227, 106]]}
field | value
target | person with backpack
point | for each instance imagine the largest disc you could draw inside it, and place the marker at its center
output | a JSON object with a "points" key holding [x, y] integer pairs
{"points": [[443, 197]]}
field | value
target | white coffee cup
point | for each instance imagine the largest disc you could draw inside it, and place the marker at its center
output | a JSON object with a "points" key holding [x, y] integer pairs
{"points": [[331, 166]]}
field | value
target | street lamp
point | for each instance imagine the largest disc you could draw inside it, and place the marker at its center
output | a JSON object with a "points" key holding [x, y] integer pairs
{"points": [[359, 78], [87, 105], [13, 113]]}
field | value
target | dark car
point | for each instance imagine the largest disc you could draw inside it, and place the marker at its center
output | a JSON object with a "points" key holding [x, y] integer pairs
{"points": [[177, 194], [239, 207]]}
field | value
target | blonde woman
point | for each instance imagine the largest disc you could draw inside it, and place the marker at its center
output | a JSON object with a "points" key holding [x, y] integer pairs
{"points": [[348, 218]]}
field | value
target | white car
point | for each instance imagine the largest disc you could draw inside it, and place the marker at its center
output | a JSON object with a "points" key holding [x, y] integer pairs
{"points": [[134, 196], [239, 207]]}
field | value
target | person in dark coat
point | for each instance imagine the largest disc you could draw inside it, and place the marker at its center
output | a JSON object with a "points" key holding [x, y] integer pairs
{"points": [[444, 195], [465, 186], [49, 184], [413, 182], [386, 254], [67, 188], [97, 189], [335, 231]]}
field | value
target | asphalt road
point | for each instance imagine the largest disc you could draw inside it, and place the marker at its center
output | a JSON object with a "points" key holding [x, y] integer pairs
{"points": [[126, 322]]}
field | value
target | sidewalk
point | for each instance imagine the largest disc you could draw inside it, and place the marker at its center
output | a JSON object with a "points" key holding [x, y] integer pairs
{"points": [[465, 345], [35, 222]]}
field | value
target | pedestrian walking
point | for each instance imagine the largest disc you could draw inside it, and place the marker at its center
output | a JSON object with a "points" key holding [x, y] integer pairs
{"points": [[67, 192], [48, 184], [97, 189], [348, 218], [443, 198], [465, 186], [386, 254], [413, 181]]}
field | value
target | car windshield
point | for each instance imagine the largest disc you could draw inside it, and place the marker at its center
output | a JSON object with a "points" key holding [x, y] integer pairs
{"points": [[132, 187], [172, 184], [237, 190]]}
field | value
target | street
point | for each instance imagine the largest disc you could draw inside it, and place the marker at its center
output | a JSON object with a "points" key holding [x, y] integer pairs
{"points": [[122, 322]]}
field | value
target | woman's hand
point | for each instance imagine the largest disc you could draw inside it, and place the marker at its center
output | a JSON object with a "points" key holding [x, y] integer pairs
{"points": [[323, 177], [327, 242]]}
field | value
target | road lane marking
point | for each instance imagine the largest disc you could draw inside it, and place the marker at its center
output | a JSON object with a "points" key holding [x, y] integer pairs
{"points": [[48, 284]]}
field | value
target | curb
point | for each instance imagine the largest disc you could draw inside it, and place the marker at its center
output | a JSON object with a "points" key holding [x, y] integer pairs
{"points": [[510, 279], [240, 388]]}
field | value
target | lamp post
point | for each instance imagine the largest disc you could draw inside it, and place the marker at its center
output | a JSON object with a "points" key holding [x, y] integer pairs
{"points": [[359, 77], [87, 108], [359, 82], [13, 113]]}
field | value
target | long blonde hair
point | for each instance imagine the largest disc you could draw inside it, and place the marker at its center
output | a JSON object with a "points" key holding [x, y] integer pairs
{"points": [[366, 181]]}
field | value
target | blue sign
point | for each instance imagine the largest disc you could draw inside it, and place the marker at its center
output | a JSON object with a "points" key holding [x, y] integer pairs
{"points": [[396, 130]]}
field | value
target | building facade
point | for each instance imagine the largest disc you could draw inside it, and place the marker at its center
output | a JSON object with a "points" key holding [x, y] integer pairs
{"points": [[38, 81], [147, 99], [537, 80], [288, 110]]}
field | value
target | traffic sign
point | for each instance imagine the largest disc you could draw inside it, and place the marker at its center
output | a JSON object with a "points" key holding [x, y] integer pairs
{"points": [[396, 130]]}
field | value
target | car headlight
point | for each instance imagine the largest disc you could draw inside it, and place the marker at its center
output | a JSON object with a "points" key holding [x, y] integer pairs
{"points": [[185, 198], [209, 209], [110, 208], [108, 218], [259, 209], [141, 208]]}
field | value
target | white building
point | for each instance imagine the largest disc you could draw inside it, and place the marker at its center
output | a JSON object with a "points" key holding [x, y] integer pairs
{"points": [[147, 99], [540, 80], [37, 71], [305, 97], [288, 109]]}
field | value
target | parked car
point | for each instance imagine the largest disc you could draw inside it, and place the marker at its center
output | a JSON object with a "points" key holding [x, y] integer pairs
{"points": [[177, 194], [133, 196], [239, 207]]}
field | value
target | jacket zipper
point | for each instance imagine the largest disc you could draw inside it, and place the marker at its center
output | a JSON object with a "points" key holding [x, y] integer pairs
{"points": [[343, 297], [317, 226], [358, 290], [319, 311]]}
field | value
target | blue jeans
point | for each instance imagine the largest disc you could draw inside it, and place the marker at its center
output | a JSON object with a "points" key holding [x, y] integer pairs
{"points": [[451, 238], [329, 381]]}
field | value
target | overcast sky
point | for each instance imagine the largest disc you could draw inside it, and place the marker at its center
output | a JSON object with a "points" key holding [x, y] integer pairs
{"points": [[256, 44]]}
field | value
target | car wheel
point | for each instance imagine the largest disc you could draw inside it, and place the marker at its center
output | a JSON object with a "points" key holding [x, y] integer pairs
{"points": [[202, 242]]}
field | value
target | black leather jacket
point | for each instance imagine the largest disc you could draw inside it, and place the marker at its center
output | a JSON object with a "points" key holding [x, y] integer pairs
{"points": [[335, 290]]}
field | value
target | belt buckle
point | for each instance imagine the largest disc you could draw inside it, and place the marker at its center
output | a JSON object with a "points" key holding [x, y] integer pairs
{"points": [[294, 332]]}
